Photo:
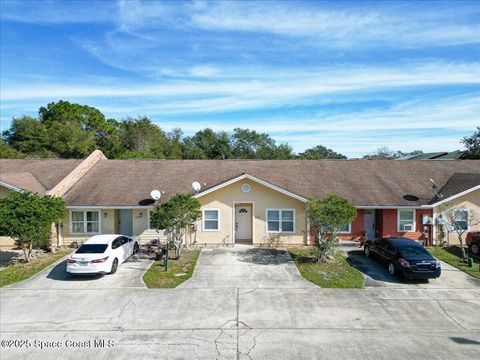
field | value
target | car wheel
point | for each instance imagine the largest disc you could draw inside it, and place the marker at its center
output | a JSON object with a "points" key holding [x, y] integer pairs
{"points": [[391, 269], [366, 251], [135, 248], [114, 266], [475, 249]]}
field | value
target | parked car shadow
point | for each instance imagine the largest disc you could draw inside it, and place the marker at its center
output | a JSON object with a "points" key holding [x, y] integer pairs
{"points": [[59, 273], [375, 270], [264, 256]]}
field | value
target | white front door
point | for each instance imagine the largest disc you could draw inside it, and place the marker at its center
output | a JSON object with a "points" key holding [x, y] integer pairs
{"points": [[243, 222], [369, 223]]}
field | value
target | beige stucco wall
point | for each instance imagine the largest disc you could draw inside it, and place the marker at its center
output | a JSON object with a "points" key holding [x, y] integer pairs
{"points": [[263, 198], [470, 201]]}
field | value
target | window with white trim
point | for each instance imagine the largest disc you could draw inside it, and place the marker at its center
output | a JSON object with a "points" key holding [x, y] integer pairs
{"points": [[406, 220], [346, 229], [85, 222], [211, 220], [280, 220], [461, 220]]}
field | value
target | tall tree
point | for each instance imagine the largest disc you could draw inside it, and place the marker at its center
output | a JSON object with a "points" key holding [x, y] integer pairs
{"points": [[320, 152], [472, 145], [206, 144], [249, 144], [142, 139]]}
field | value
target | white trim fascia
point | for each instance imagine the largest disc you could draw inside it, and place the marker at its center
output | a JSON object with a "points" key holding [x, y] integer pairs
{"points": [[218, 219], [453, 197], [280, 221], [414, 224], [11, 187], [253, 178]]}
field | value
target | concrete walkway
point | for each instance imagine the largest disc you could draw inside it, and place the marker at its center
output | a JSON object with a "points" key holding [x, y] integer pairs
{"points": [[246, 267]]}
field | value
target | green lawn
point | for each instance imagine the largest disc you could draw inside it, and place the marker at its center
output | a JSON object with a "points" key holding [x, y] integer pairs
{"points": [[452, 255], [336, 273], [18, 272], [178, 271]]}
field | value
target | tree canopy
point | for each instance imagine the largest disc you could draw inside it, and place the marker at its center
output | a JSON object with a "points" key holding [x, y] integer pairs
{"points": [[28, 218], [472, 145]]}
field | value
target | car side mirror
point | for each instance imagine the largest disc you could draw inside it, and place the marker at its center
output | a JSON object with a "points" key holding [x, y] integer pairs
{"points": [[130, 239]]}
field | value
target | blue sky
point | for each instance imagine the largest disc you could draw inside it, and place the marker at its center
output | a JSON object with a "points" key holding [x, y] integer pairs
{"points": [[352, 76]]}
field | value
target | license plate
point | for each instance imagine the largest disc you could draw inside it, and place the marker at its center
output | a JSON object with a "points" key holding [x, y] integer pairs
{"points": [[83, 263]]}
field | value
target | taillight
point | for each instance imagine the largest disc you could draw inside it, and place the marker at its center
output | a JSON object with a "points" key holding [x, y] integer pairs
{"points": [[71, 261], [96, 261]]}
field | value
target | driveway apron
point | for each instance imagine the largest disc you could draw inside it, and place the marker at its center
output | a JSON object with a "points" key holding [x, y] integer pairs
{"points": [[246, 267]]}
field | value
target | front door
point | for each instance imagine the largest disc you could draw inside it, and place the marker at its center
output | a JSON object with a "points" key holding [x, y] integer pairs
{"points": [[369, 223], [126, 222], [243, 222]]}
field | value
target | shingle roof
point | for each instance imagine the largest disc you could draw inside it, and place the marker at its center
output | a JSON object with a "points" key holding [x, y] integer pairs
{"points": [[458, 183], [35, 174], [364, 182], [453, 155]]}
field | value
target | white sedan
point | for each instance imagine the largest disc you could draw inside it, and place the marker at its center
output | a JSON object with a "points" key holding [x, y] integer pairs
{"points": [[101, 254]]}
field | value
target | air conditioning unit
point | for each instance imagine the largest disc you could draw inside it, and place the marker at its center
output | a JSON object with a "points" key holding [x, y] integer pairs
{"points": [[427, 220]]}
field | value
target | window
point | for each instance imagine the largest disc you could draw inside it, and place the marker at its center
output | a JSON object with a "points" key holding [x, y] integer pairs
{"points": [[346, 229], [85, 222], [461, 220], [116, 243], [406, 220], [211, 220], [280, 220]]}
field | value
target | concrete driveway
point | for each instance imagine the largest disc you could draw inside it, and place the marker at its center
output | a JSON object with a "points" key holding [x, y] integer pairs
{"points": [[376, 275], [222, 321], [128, 275], [246, 267]]}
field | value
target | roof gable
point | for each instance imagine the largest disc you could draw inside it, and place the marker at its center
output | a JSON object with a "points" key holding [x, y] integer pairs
{"points": [[252, 178]]}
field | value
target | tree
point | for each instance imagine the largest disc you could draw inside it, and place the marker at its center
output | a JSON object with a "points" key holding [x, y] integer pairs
{"points": [[327, 216], [206, 144], [28, 218], [384, 153], [320, 152], [29, 136], [142, 139], [249, 144], [472, 145], [7, 152], [458, 219], [174, 216]]}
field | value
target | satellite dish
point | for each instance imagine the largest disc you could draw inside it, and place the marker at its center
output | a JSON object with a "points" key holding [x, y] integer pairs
{"points": [[196, 186], [156, 195]]}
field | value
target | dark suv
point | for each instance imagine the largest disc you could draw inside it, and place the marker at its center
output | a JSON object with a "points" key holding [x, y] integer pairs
{"points": [[404, 257]]}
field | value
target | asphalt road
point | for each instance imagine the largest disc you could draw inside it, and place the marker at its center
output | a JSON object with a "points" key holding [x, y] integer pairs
{"points": [[236, 322]]}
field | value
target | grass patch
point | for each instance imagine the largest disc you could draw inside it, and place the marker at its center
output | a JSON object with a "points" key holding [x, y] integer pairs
{"points": [[21, 271], [157, 277], [452, 255], [335, 273]]}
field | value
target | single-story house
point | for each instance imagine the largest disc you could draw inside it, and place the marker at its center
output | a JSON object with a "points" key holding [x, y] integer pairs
{"points": [[248, 201]]}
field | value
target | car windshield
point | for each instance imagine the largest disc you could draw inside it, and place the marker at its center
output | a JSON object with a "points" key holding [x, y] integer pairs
{"points": [[413, 251], [92, 249]]}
